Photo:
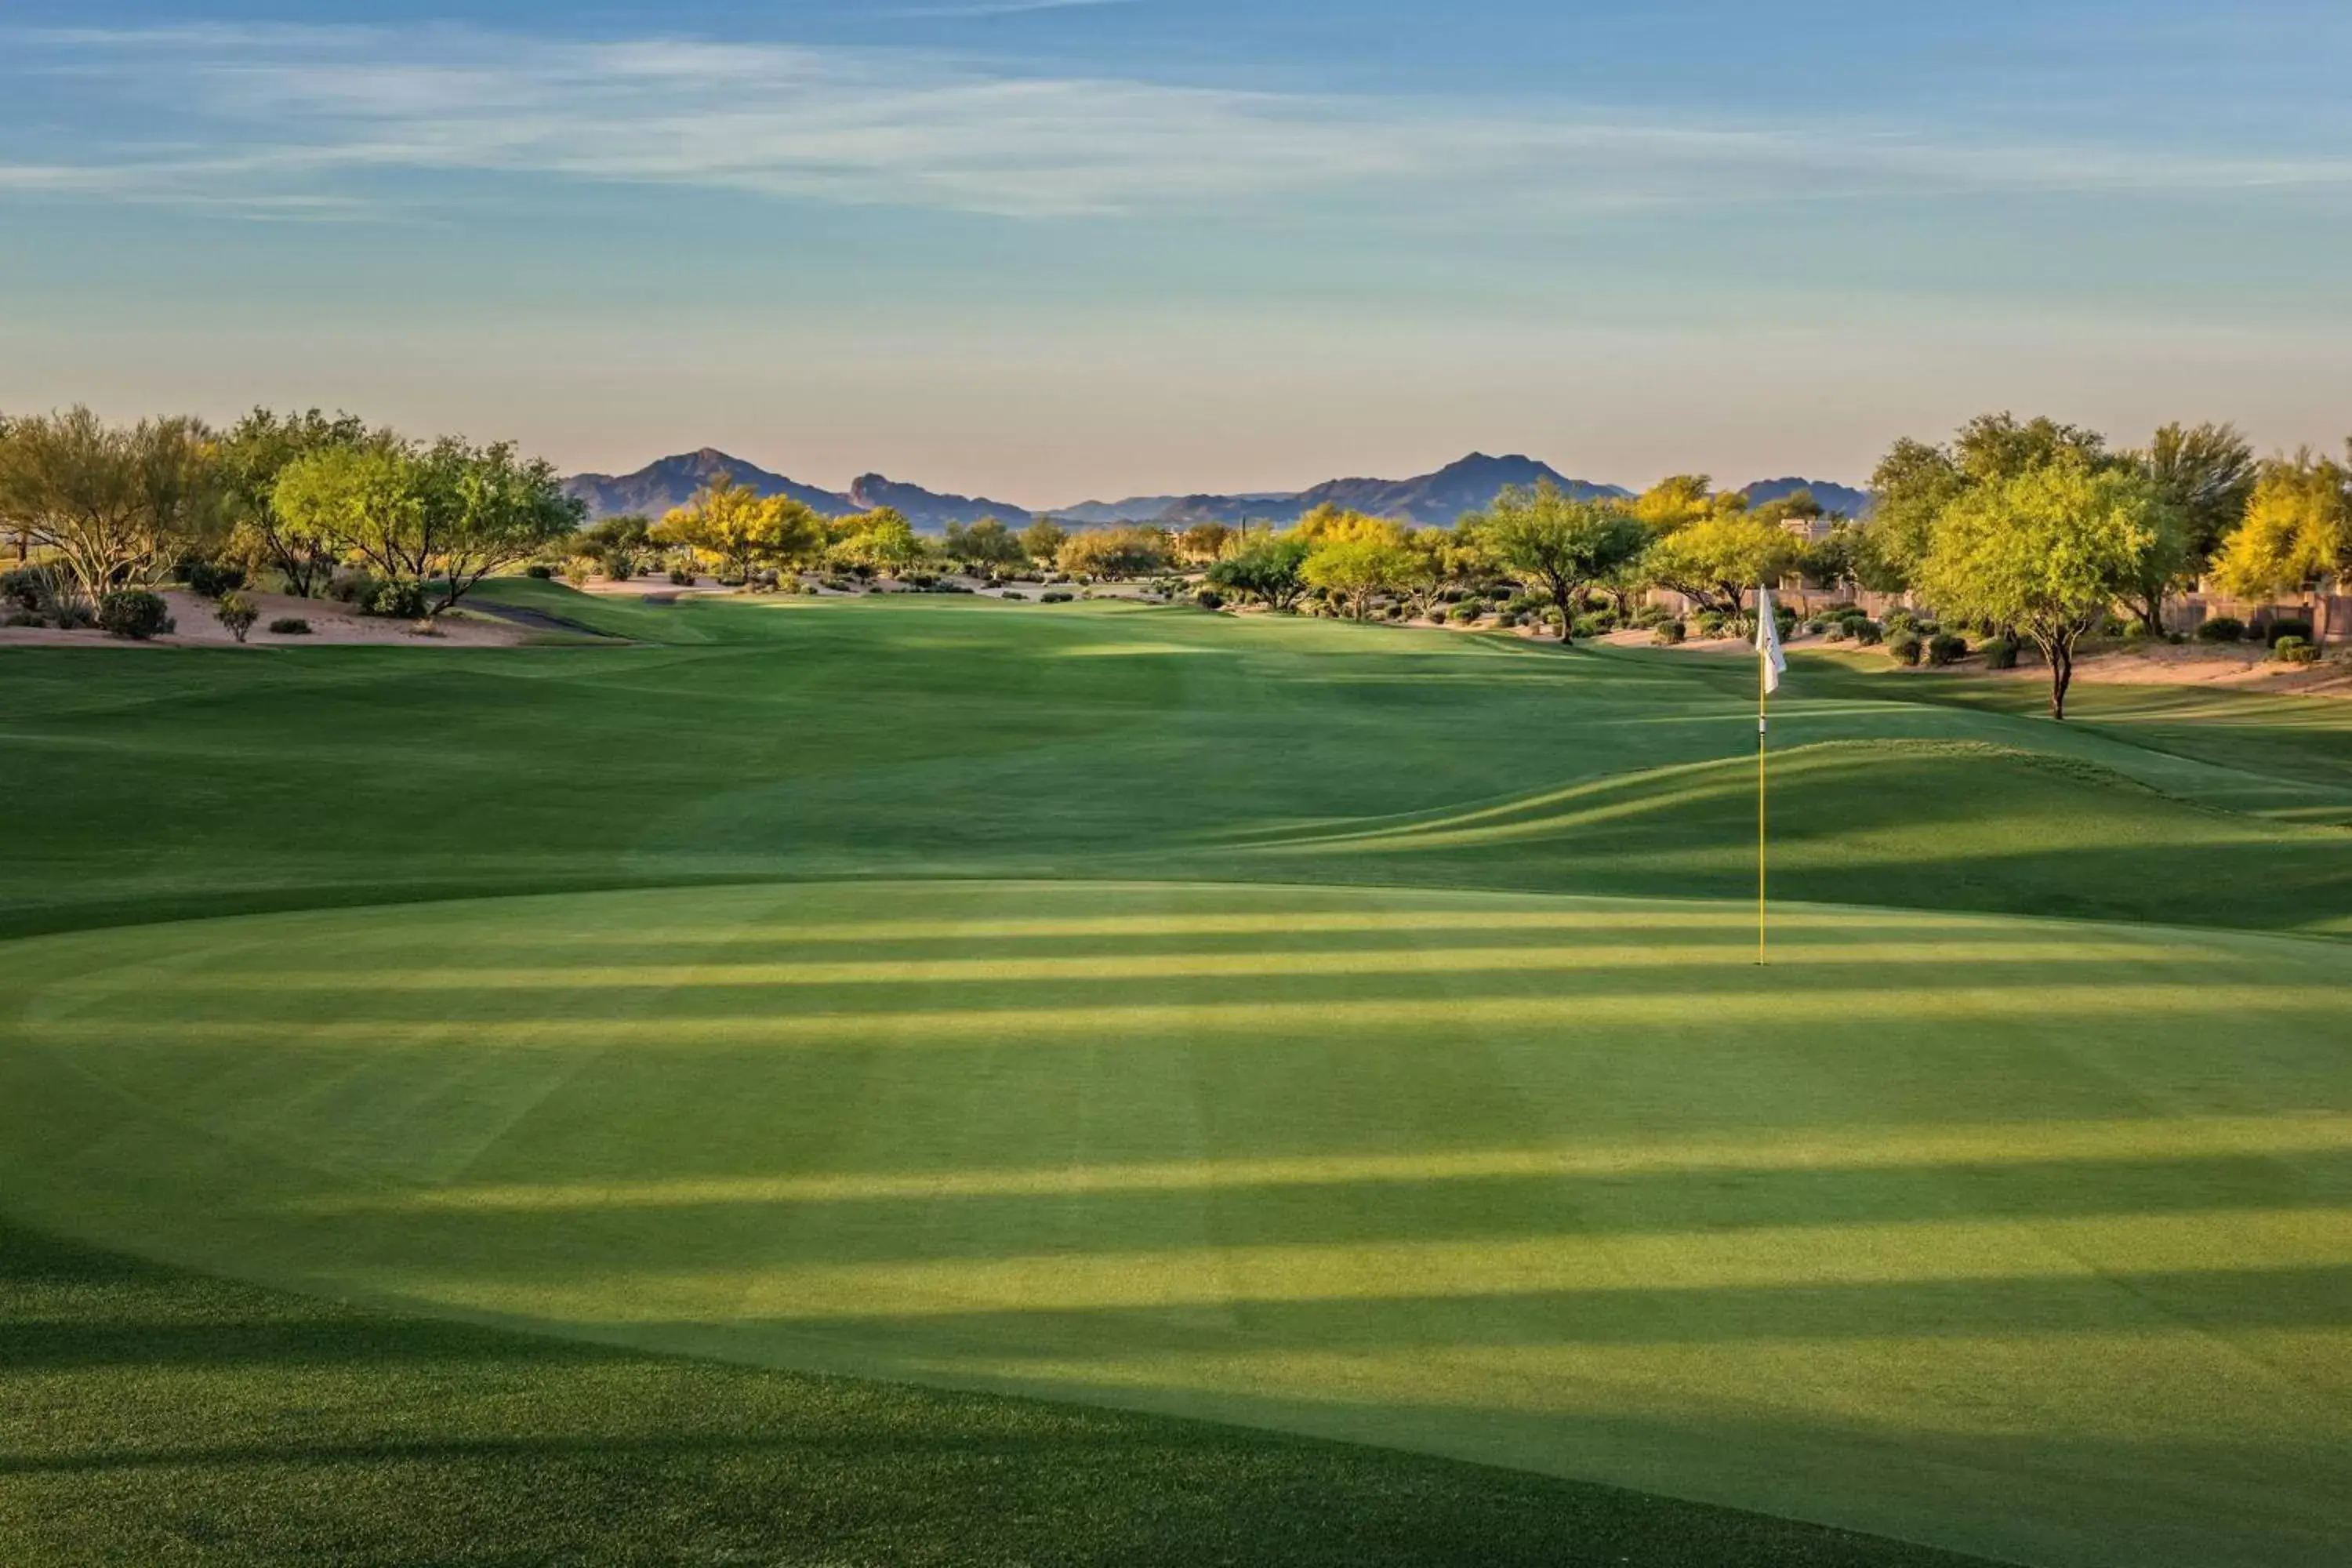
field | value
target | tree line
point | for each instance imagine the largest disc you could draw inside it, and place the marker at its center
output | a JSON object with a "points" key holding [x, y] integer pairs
{"points": [[121, 508]]}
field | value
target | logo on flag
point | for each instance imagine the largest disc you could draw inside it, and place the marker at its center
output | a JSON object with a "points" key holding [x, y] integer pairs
{"points": [[1768, 640]]}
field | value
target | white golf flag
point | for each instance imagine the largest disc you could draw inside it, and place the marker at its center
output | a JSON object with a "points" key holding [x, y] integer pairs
{"points": [[1768, 640]]}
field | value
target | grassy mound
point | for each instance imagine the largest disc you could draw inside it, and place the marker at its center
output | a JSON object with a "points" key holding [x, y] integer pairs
{"points": [[2025, 1239]]}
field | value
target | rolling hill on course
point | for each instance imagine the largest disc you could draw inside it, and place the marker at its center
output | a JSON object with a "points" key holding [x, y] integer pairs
{"points": [[1329, 1031]]}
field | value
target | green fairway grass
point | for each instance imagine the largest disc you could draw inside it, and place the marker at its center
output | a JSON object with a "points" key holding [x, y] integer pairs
{"points": [[1331, 1030], [158, 1417], [1929, 1229]]}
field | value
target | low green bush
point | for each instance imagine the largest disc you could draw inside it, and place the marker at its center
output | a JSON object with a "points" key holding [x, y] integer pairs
{"points": [[681, 578], [2294, 650], [1899, 621], [25, 619], [1999, 653], [290, 626], [402, 601], [1945, 647], [1865, 631], [1208, 599], [1667, 632], [210, 579], [2221, 628], [541, 570], [2279, 631], [1014, 593], [1055, 596], [237, 613], [1467, 612], [1906, 648], [1833, 631], [27, 588], [133, 613]]}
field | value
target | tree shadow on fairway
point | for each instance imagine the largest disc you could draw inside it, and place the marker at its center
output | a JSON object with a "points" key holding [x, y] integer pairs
{"points": [[376, 1439]]}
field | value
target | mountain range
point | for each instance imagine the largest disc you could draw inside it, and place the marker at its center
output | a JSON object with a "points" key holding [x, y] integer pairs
{"points": [[1440, 497]]}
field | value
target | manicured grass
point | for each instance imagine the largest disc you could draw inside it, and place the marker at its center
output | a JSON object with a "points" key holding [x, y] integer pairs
{"points": [[929, 736], [2026, 1240], [1151, 1009], [156, 1417]]}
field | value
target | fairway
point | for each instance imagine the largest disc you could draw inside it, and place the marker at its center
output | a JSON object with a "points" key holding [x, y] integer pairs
{"points": [[1925, 1230], [1331, 1030]]}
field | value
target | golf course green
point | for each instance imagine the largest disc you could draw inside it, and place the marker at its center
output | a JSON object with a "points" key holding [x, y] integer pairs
{"points": [[1341, 1032]]}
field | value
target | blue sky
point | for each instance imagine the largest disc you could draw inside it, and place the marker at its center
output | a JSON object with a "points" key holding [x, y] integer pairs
{"points": [[1052, 250]]}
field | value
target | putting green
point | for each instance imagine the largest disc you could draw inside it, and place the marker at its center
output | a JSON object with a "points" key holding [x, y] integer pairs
{"points": [[2025, 1238]]}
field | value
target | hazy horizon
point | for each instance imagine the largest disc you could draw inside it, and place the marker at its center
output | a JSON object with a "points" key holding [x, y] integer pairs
{"points": [[1050, 251]]}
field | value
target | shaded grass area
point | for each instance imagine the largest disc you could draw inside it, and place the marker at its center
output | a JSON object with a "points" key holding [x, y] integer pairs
{"points": [[152, 1417]]}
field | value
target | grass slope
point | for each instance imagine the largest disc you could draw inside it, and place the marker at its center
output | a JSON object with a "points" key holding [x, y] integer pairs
{"points": [[155, 1417], [1930, 1229], [975, 738]]}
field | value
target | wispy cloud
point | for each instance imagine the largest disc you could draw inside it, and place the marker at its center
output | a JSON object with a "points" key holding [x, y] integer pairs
{"points": [[287, 120]]}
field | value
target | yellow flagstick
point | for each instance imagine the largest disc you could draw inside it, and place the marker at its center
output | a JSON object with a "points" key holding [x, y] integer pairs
{"points": [[1763, 702]]}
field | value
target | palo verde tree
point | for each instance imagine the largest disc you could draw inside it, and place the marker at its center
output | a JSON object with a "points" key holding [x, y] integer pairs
{"points": [[1715, 562], [2046, 552], [1270, 571], [742, 530], [1043, 539], [1359, 565], [881, 540], [254, 453], [2297, 528], [118, 503], [441, 517], [1916, 481], [1557, 539], [1130, 551], [985, 545]]}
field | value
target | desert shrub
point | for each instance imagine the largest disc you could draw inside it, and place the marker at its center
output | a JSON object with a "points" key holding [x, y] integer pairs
{"points": [[1467, 612], [737, 579], [1055, 596], [2294, 650], [290, 626], [1591, 625], [1865, 631], [2221, 628], [1946, 647], [133, 613], [2279, 631], [1667, 632], [1899, 621], [1906, 647], [1999, 653], [237, 613], [27, 588], [681, 578], [402, 601], [620, 566], [351, 588], [541, 570], [576, 573], [1014, 593], [2136, 630], [1835, 631], [210, 579], [25, 619], [424, 626], [1708, 623]]}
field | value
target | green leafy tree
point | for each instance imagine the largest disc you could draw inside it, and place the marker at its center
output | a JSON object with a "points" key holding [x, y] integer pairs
{"points": [[254, 453], [985, 544], [2297, 528], [437, 519], [1676, 502], [1715, 562], [118, 503], [742, 530], [2045, 552], [1043, 540], [881, 540], [1559, 541], [1271, 571], [237, 613], [2204, 475], [1117, 552], [1916, 481], [1205, 542], [1356, 568]]}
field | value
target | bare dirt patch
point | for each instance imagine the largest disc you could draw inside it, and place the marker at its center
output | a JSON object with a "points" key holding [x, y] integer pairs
{"points": [[198, 626]]}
